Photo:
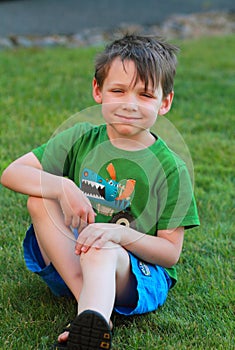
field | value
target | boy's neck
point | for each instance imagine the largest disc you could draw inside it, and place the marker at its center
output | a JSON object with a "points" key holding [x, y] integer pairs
{"points": [[128, 144]]}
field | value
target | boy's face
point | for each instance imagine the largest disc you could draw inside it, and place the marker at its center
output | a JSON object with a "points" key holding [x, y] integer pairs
{"points": [[128, 109]]}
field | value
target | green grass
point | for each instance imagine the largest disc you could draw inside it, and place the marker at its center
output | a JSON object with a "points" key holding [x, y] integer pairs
{"points": [[39, 89]]}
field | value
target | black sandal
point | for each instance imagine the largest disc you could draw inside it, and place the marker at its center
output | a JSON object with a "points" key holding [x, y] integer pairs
{"points": [[89, 331]]}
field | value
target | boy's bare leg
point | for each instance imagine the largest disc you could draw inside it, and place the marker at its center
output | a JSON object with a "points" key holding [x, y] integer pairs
{"points": [[56, 241], [106, 277], [97, 277]]}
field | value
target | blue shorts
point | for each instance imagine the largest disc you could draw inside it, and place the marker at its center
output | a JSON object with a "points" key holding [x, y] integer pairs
{"points": [[153, 282]]}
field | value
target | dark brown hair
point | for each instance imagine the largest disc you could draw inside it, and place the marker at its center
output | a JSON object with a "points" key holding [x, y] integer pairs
{"points": [[155, 60]]}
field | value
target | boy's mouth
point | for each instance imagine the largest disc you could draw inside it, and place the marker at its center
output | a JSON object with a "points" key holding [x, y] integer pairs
{"points": [[127, 118]]}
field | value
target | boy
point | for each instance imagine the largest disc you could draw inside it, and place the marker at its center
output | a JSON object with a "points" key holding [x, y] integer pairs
{"points": [[119, 187]]}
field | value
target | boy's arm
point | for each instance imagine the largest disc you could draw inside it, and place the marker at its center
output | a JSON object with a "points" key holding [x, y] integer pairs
{"points": [[25, 175], [163, 249]]}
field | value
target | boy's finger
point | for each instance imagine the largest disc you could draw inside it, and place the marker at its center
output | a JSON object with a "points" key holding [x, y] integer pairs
{"points": [[86, 219], [83, 222], [91, 217], [75, 221], [67, 220]]}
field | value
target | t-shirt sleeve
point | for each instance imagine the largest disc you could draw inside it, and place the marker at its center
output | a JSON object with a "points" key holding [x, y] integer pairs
{"points": [[177, 203], [54, 155]]}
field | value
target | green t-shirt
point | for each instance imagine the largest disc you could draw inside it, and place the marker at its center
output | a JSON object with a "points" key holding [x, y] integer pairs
{"points": [[149, 189]]}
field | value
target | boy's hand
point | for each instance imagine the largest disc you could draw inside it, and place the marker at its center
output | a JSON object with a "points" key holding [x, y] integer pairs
{"points": [[96, 235], [75, 206]]}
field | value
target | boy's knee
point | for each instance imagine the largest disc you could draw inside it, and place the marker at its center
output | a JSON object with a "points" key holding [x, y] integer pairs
{"points": [[33, 204], [93, 254], [110, 253]]}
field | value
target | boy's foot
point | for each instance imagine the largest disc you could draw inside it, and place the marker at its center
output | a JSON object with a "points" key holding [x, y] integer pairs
{"points": [[63, 337], [89, 326], [89, 331]]}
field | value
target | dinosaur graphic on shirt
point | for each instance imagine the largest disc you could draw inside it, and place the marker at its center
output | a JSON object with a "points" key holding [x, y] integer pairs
{"points": [[107, 196]]}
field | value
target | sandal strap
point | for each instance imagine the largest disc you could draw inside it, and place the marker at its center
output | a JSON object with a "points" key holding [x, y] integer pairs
{"points": [[67, 327]]}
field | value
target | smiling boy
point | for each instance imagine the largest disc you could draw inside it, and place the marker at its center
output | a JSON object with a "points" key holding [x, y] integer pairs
{"points": [[129, 108], [120, 187]]}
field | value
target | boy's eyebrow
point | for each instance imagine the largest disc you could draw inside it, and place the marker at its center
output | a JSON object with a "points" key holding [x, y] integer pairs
{"points": [[122, 85], [117, 83]]}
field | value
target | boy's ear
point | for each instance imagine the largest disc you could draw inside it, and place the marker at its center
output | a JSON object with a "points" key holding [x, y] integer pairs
{"points": [[97, 95], [166, 103]]}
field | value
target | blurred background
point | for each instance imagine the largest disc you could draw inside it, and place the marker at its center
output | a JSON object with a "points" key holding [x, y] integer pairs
{"points": [[67, 17]]}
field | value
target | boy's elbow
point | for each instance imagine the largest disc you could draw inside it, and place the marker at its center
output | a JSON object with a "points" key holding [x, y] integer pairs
{"points": [[172, 259], [172, 243], [6, 175], [3, 179]]}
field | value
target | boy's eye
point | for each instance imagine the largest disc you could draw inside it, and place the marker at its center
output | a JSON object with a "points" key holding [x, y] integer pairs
{"points": [[117, 90], [145, 94]]}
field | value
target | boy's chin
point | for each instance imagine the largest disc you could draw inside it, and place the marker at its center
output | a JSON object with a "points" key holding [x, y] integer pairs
{"points": [[130, 137], [124, 130]]}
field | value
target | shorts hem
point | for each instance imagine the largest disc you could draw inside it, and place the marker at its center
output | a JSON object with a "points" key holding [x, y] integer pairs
{"points": [[153, 284], [35, 263]]}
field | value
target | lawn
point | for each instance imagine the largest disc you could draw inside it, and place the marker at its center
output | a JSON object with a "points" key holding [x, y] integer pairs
{"points": [[39, 89]]}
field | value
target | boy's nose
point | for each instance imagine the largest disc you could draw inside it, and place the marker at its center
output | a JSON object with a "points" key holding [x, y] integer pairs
{"points": [[130, 106], [130, 103]]}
